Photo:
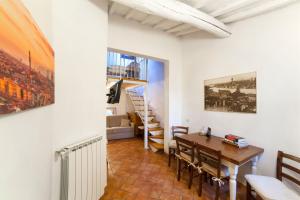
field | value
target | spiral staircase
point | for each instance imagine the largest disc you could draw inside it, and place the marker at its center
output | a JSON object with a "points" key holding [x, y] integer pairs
{"points": [[155, 131]]}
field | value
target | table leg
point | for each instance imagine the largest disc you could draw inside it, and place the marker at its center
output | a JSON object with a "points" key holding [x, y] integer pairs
{"points": [[177, 166], [233, 170], [254, 163]]}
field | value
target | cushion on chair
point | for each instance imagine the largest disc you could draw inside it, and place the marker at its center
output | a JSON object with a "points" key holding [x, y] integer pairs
{"points": [[188, 158], [179, 134], [213, 171], [270, 188], [172, 144]]}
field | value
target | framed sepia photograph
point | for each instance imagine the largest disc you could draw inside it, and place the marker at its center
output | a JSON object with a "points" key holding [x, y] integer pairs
{"points": [[26, 61], [235, 93]]}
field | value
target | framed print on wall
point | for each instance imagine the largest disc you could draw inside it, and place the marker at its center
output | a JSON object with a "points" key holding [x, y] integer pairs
{"points": [[26, 61], [235, 93]]}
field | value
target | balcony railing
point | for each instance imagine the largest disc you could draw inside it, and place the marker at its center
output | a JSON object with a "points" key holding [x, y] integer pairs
{"points": [[126, 66]]}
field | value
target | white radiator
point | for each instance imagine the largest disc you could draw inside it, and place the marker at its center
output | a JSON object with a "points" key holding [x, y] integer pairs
{"points": [[80, 170]]}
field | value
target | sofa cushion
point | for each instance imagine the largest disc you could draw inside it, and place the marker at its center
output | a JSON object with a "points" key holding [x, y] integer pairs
{"points": [[119, 133], [113, 130], [125, 123], [115, 120]]}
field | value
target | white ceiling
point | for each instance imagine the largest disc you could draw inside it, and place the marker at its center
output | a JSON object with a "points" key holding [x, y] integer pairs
{"points": [[226, 11]]}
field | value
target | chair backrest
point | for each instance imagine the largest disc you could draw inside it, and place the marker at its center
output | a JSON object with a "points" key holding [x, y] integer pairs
{"points": [[179, 130], [185, 149], [281, 165], [210, 157]]}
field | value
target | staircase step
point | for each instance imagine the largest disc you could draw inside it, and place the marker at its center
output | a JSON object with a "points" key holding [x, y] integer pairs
{"points": [[149, 115], [150, 119], [155, 129], [142, 110], [155, 146], [137, 99], [151, 125], [160, 136], [139, 103], [137, 96], [156, 140], [156, 132]]}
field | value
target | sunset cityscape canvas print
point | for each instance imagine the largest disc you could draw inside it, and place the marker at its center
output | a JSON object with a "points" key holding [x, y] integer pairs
{"points": [[26, 61]]}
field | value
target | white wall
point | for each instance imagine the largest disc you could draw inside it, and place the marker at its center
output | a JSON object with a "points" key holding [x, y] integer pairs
{"points": [[133, 37], [156, 89], [269, 45], [26, 138], [80, 42], [29, 139]]}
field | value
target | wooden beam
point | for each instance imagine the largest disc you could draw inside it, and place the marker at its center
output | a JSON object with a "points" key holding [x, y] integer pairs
{"points": [[263, 8], [232, 7], [159, 24], [196, 3], [200, 3], [147, 19], [180, 12], [129, 14], [177, 28], [112, 8], [186, 32]]}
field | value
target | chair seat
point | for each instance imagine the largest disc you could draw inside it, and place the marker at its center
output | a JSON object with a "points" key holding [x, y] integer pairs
{"points": [[270, 188], [172, 144], [189, 158], [179, 134], [213, 171]]}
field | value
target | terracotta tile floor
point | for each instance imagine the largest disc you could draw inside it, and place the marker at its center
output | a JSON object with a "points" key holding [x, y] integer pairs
{"points": [[138, 174]]}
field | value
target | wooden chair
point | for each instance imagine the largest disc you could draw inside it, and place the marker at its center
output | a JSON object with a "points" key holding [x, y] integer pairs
{"points": [[175, 130], [272, 188], [185, 152], [209, 161]]}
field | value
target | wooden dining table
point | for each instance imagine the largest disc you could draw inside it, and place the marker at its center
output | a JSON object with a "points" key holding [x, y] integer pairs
{"points": [[232, 156]]}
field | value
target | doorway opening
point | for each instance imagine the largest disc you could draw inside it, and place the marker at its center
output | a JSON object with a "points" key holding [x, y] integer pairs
{"points": [[138, 85]]}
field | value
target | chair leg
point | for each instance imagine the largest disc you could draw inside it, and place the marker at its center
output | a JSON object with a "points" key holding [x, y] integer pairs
{"points": [[210, 180], [217, 192], [170, 155], [249, 196], [205, 176], [200, 185], [191, 176], [179, 169]]}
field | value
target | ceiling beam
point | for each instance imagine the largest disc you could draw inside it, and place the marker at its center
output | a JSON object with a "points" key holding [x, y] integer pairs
{"points": [[186, 32], [159, 24], [147, 19], [112, 8], [196, 3], [179, 12], [232, 7], [130, 14], [263, 8], [177, 28]]}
